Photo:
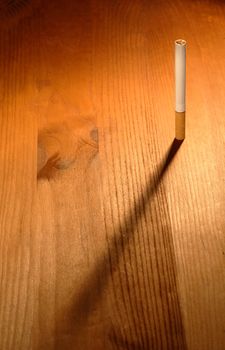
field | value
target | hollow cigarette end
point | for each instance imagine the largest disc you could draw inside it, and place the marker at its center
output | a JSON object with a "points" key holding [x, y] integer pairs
{"points": [[180, 125], [180, 42]]}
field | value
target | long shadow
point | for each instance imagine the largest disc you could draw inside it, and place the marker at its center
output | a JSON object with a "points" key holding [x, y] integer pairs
{"points": [[96, 283]]}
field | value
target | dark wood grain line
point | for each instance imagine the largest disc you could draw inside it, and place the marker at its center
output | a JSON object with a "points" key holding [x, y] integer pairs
{"points": [[121, 244], [140, 320]]}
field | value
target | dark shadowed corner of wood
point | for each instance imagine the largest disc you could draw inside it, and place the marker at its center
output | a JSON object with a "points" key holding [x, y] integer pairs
{"points": [[11, 12], [96, 284]]}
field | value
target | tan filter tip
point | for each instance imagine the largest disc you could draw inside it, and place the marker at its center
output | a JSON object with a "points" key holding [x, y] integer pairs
{"points": [[180, 125]]}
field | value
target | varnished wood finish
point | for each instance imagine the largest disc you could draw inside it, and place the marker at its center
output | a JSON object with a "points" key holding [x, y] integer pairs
{"points": [[111, 237]]}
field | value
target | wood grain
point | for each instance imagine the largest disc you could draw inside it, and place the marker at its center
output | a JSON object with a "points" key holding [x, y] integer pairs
{"points": [[111, 234]]}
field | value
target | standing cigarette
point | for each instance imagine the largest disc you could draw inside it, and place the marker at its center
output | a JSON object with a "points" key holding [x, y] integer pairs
{"points": [[180, 83]]}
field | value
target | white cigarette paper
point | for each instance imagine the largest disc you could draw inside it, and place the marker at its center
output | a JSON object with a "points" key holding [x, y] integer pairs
{"points": [[180, 75]]}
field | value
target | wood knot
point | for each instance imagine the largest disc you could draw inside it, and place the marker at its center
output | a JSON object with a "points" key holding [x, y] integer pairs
{"points": [[60, 144], [11, 11]]}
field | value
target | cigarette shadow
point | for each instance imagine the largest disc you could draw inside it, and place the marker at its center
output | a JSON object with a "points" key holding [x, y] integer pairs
{"points": [[169, 157], [95, 285]]}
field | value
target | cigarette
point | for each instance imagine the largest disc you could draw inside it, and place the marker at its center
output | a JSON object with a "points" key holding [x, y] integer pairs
{"points": [[180, 88]]}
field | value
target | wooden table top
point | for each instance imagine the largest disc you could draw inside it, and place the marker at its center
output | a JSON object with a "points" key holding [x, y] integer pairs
{"points": [[112, 236]]}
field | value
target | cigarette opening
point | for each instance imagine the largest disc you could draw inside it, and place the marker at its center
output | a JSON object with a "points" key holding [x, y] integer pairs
{"points": [[180, 42]]}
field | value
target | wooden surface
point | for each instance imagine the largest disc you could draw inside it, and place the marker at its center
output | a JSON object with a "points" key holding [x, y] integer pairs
{"points": [[109, 238]]}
